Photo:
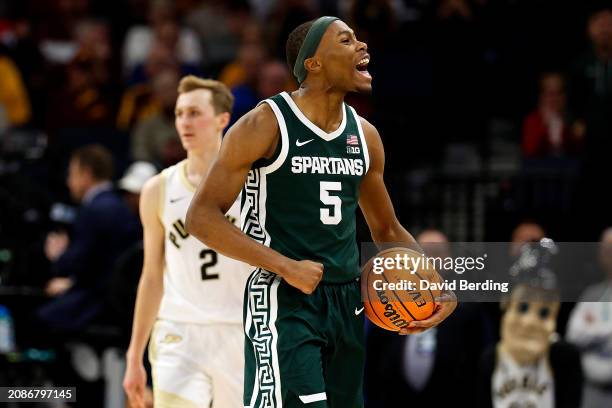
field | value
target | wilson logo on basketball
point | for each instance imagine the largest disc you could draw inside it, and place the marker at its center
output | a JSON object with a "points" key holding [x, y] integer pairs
{"points": [[390, 311]]}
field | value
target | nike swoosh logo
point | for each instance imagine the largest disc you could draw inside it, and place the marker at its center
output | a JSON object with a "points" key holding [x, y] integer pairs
{"points": [[174, 200], [358, 311], [298, 143]]}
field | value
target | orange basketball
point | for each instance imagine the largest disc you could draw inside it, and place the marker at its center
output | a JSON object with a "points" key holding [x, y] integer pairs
{"points": [[390, 300]]}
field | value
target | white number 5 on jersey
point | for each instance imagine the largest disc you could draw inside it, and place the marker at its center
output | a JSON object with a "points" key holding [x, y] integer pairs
{"points": [[331, 217]]}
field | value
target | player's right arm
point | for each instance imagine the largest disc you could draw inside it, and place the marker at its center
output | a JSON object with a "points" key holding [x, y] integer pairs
{"points": [[150, 291], [252, 138]]}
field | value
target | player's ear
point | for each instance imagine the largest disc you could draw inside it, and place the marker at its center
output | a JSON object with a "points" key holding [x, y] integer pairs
{"points": [[223, 120], [312, 64]]}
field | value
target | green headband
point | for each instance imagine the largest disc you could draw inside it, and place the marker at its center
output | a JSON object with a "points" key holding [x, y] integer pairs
{"points": [[310, 45]]}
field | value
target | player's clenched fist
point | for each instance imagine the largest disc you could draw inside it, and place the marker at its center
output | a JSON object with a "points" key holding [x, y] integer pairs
{"points": [[303, 275]]}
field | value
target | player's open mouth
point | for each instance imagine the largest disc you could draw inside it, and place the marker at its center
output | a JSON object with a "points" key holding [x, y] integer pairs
{"points": [[362, 67]]}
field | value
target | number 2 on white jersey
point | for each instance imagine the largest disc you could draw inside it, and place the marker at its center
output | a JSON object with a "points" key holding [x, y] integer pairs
{"points": [[210, 259]]}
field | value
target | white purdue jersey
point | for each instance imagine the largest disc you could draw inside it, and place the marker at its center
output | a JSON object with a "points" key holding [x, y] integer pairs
{"points": [[200, 285], [516, 386]]}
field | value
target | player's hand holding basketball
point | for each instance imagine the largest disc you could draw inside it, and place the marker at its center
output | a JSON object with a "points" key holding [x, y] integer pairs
{"points": [[134, 384], [446, 302], [303, 275]]}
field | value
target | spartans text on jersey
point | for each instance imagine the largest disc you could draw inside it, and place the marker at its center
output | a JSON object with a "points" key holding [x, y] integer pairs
{"points": [[326, 165]]}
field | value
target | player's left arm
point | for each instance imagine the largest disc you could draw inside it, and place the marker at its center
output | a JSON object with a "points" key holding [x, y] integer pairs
{"points": [[384, 226]]}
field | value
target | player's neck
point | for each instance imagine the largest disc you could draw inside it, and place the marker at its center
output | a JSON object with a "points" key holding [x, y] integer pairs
{"points": [[321, 107], [198, 162]]}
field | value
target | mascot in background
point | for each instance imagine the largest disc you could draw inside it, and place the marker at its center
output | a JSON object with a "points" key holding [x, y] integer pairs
{"points": [[530, 367]]}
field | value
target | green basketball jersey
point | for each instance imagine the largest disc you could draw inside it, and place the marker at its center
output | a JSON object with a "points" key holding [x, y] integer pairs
{"points": [[302, 201]]}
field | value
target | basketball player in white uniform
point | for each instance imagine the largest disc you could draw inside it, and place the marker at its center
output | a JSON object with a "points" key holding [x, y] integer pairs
{"points": [[189, 297]]}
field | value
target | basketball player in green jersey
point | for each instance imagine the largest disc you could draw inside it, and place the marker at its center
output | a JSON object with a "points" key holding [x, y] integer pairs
{"points": [[304, 161]]}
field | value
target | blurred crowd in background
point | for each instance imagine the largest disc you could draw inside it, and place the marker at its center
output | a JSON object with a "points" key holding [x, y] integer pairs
{"points": [[493, 113]]}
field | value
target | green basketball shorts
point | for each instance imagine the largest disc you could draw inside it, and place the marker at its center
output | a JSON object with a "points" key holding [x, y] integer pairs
{"points": [[302, 350]]}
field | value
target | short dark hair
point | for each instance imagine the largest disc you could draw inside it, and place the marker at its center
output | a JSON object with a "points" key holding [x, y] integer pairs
{"points": [[295, 41], [97, 159]]}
